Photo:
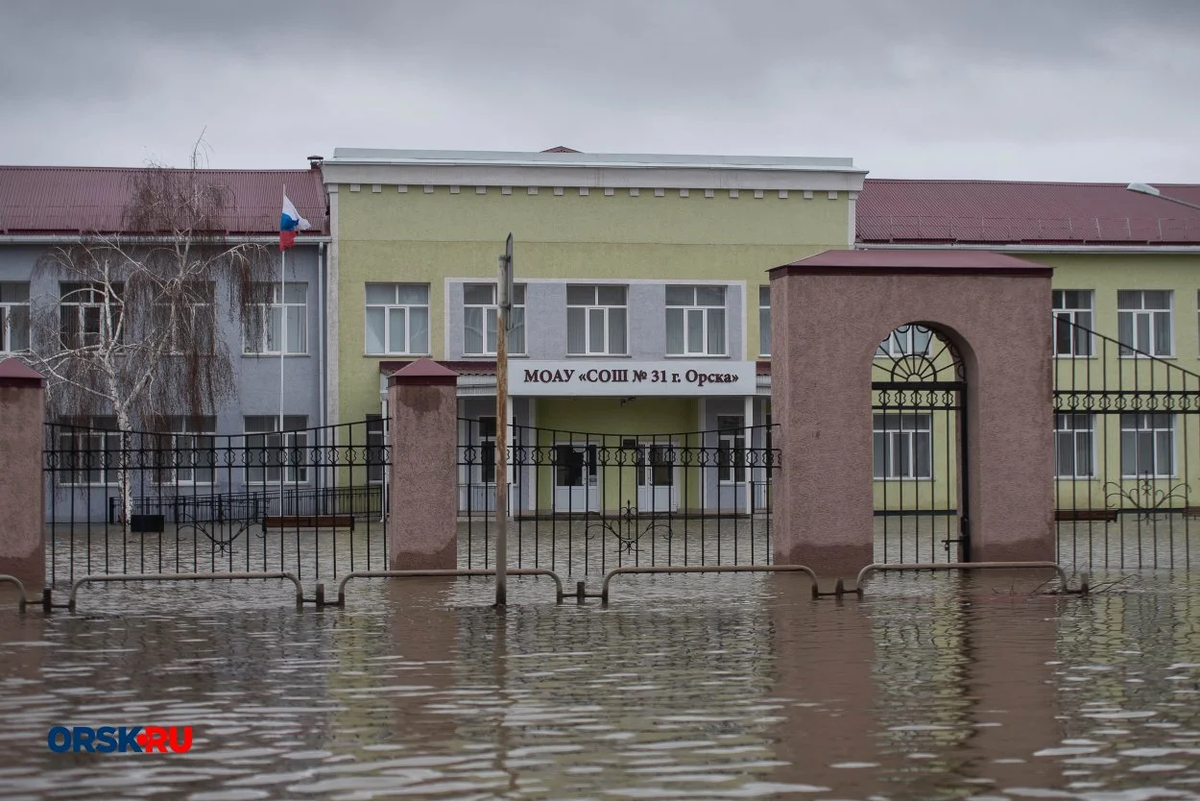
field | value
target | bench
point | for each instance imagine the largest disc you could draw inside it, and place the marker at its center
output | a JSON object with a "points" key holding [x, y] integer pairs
{"points": [[1107, 515], [308, 521]]}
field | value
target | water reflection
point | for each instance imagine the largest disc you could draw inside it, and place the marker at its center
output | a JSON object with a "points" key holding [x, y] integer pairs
{"points": [[715, 686]]}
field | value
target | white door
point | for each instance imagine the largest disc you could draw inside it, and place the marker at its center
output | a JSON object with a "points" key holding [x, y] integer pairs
{"points": [[657, 478], [576, 479]]}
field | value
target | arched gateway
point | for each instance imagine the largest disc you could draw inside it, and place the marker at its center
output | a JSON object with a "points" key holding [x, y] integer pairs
{"points": [[966, 349]]}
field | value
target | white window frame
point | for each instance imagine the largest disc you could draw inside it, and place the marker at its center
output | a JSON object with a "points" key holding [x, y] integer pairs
{"points": [[411, 347], [10, 309], [272, 313], [899, 344], [488, 315], [1074, 316], [1131, 318], [78, 300], [1078, 431], [894, 433], [189, 448], [268, 439], [682, 313], [731, 459], [485, 464], [97, 443], [1160, 436], [597, 315], [376, 434], [652, 456], [590, 469], [764, 320], [201, 296]]}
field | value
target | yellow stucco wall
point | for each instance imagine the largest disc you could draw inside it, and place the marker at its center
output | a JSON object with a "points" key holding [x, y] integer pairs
{"points": [[426, 237], [558, 418], [1105, 275]]}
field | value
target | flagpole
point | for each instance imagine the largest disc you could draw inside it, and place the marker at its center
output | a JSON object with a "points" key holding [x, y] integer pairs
{"points": [[282, 322]]}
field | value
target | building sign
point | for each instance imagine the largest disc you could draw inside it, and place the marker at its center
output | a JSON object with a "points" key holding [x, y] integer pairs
{"points": [[624, 378]]}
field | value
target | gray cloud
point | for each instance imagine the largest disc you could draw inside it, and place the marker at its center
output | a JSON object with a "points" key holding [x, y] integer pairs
{"points": [[1068, 89]]}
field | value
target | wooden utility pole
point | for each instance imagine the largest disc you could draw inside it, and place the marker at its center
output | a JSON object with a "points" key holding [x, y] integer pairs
{"points": [[503, 306]]}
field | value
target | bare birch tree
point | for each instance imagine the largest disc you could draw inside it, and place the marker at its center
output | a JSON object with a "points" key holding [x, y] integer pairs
{"points": [[133, 331]]}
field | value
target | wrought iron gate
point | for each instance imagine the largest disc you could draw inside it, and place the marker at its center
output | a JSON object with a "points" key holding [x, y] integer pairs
{"points": [[919, 446]]}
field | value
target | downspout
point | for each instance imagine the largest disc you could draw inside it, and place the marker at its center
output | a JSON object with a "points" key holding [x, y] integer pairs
{"points": [[321, 338], [321, 402]]}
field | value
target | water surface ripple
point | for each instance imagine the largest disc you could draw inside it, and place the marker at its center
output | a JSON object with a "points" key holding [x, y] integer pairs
{"points": [[932, 687]]}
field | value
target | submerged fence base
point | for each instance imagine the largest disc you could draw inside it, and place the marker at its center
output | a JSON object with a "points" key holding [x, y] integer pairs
{"points": [[603, 594], [182, 577], [341, 590], [22, 598], [1062, 574]]}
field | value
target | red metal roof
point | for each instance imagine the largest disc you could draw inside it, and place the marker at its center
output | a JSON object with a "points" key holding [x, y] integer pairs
{"points": [[923, 261], [48, 200], [471, 368], [1015, 212]]}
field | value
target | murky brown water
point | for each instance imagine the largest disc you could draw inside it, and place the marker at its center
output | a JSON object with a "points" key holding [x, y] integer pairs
{"points": [[686, 687]]}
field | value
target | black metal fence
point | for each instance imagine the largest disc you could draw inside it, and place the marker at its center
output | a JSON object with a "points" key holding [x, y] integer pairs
{"points": [[311, 501], [1126, 436], [583, 503], [918, 417]]}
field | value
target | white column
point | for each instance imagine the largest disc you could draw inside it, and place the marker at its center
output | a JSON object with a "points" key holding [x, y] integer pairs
{"points": [[510, 421], [748, 422], [703, 471]]}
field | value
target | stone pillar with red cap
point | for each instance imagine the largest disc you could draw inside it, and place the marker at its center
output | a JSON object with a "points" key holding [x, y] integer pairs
{"points": [[22, 501], [422, 498]]}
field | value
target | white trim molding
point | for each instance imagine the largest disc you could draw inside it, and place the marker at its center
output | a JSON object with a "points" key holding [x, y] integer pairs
{"points": [[619, 171]]}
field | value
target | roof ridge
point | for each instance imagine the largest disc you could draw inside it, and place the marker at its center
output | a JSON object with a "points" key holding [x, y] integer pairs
{"points": [[995, 181], [242, 170]]}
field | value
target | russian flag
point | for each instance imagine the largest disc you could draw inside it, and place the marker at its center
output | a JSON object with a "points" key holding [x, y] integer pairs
{"points": [[290, 222]]}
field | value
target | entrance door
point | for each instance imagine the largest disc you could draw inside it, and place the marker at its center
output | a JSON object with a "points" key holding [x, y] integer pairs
{"points": [[576, 479], [657, 485]]}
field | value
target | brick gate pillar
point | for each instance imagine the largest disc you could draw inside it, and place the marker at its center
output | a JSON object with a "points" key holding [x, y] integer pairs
{"points": [[829, 313], [422, 497], [22, 490]]}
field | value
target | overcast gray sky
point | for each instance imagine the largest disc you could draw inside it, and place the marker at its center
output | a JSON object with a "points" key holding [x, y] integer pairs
{"points": [[1092, 90]]}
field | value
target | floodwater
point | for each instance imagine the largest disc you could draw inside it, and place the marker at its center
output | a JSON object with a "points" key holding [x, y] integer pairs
{"points": [[736, 686]]}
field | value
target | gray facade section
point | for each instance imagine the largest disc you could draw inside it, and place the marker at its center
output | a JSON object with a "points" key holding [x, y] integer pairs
{"points": [[546, 320], [257, 378]]}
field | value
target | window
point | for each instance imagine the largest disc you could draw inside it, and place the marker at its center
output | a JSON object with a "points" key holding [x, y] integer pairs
{"points": [[479, 320], [907, 340], [764, 321], [1074, 446], [1144, 322], [376, 448], [90, 315], [731, 449], [185, 451], [1072, 322], [273, 457], [187, 319], [1147, 445], [14, 316], [655, 467], [902, 446], [397, 318], [487, 449], [89, 451], [596, 320], [696, 320], [268, 316]]}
